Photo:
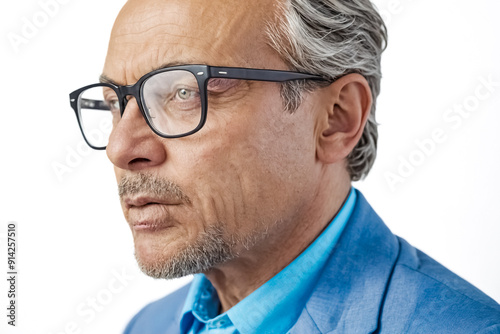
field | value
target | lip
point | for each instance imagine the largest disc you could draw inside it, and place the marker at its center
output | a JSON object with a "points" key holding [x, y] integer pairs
{"points": [[149, 213], [142, 201], [149, 226]]}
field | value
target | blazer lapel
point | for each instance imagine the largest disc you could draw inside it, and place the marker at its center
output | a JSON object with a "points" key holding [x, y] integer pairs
{"points": [[350, 292]]}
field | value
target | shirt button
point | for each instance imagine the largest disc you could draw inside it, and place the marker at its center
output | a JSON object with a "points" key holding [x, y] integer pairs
{"points": [[206, 294], [199, 308]]}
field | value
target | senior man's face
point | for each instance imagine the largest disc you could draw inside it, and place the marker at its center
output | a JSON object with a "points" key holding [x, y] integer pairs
{"points": [[197, 202]]}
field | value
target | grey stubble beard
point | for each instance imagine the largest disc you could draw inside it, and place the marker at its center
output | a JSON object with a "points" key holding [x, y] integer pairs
{"points": [[211, 248]]}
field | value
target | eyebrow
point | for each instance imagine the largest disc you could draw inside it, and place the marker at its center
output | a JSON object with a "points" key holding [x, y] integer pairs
{"points": [[103, 78]]}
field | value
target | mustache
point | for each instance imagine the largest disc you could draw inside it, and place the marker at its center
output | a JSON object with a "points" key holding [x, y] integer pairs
{"points": [[151, 185]]}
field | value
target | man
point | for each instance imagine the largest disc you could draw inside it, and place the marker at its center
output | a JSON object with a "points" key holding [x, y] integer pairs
{"points": [[240, 171]]}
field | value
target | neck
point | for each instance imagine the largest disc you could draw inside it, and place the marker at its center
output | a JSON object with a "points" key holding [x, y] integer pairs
{"points": [[239, 277]]}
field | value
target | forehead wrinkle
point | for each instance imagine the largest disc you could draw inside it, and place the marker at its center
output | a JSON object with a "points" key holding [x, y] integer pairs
{"points": [[164, 27]]}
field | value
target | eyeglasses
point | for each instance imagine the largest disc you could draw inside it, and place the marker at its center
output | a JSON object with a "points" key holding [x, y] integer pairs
{"points": [[172, 100]]}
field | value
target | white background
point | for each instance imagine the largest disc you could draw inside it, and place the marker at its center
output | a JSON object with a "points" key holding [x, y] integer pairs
{"points": [[73, 239]]}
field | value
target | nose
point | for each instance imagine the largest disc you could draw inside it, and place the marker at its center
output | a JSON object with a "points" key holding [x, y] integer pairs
{"points": [[132, 144]]}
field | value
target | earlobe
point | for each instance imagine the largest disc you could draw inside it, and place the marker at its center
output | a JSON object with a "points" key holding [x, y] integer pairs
{"points": [[346, 106]]}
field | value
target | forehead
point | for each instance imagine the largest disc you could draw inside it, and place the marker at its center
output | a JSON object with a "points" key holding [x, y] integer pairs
{"points": [[151, 33]]}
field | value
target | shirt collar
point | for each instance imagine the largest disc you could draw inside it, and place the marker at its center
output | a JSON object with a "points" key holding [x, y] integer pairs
{"points": [[276, 305], [201, 306]]}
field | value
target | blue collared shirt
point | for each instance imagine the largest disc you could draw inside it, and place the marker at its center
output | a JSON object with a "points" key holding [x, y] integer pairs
{"points": [[276, 305]]}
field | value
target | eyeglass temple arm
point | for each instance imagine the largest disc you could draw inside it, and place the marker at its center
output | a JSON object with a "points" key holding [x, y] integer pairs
{"points": [[259, 74], [93, 104]]}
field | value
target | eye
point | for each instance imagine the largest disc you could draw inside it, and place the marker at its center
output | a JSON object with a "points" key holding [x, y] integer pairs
{"points": [[114, 105], [184, 94]]}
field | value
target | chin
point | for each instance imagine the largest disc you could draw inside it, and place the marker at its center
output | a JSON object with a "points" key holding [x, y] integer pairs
{"points": [[175, 257], [153, 248], [154, 262]]}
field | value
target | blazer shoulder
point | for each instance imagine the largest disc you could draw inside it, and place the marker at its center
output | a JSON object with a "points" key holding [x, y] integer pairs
{"points": [[428, 295], [161, 316]]}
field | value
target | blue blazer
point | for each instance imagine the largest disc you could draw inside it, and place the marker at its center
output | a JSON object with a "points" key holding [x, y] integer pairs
{"points": [[374, 282]]}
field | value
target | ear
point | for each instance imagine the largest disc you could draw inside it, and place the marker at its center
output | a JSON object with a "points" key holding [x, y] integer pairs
{"points": [[343, 111]]}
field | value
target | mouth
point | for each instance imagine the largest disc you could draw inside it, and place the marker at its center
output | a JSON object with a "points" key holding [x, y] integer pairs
{"points": [[149, 214], [146, 226], [144, 201]]}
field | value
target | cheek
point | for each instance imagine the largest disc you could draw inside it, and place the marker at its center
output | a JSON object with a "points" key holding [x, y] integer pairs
{"points": [[250, 169]]}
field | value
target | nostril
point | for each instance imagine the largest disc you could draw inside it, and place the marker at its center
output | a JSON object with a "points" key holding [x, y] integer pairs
{"points": [[139, 160]]}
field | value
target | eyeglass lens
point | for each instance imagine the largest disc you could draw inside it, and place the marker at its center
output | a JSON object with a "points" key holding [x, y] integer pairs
{"points": [[171, 101]]}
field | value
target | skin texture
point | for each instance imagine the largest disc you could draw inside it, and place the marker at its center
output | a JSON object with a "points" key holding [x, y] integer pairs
{"points": [[253, 168]]}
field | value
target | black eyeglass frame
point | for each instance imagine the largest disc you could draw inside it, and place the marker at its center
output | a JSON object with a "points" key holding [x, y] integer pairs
{"points": [[202, 74]]}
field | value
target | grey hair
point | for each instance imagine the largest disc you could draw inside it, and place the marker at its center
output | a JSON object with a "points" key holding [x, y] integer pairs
{"points": [[332, 38]]}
